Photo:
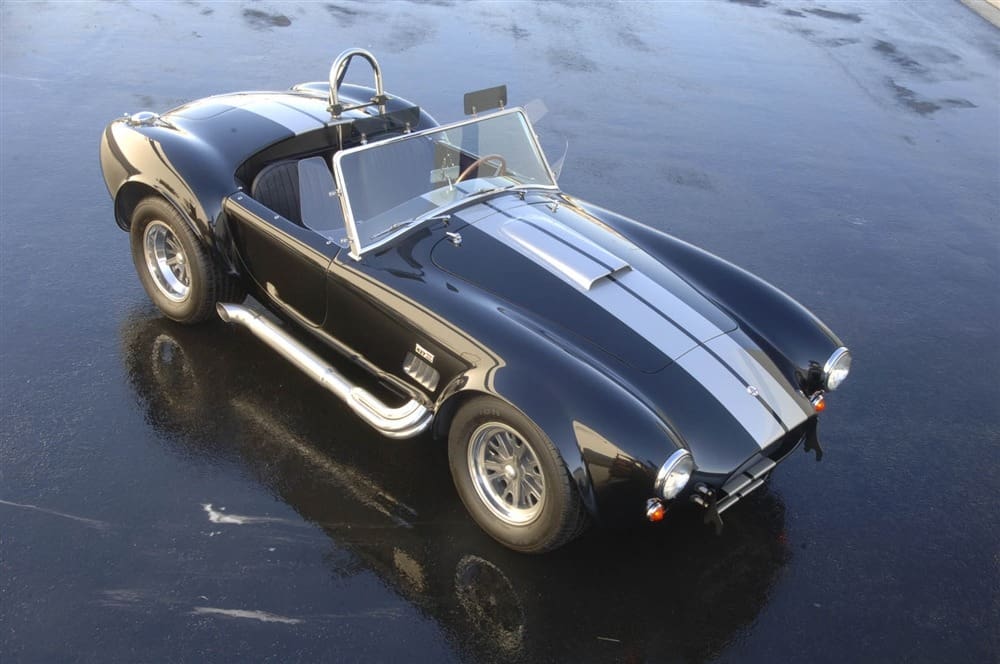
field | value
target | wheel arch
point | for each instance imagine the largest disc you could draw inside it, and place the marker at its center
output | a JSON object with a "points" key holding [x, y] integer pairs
{"points": [[448, 406], [133, 192], [136, 190], [594, 424], [451, 405]]}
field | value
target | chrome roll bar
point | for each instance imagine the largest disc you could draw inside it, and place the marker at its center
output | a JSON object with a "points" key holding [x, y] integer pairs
{"points": [[337, 72]]}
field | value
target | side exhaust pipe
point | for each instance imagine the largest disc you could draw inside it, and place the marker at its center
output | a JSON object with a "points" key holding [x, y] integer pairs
{"points": [[405, 421]]}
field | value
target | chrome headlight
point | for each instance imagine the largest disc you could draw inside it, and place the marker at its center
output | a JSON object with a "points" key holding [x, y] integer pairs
{"points": [[836, 368], [674, 474]]}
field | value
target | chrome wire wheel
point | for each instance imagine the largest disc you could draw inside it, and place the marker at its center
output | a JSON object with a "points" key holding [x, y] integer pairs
{"points": [[166, 261], [506, 473]]}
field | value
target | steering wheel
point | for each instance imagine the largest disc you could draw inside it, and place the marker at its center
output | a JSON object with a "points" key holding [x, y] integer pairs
{"points": [[479, 162]]}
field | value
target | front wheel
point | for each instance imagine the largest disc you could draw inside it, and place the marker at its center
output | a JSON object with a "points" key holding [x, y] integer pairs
{"points": [[511, 478], [177, 271]]}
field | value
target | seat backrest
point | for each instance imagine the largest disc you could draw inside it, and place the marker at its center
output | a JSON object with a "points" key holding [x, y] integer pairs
{"points": [[302, 191], [277, 187], [318, 202]]}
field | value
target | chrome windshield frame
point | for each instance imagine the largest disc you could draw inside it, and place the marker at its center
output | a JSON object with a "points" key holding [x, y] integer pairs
{"points": [[357, 252]]}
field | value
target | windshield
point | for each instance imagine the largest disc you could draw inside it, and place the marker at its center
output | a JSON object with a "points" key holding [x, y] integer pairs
{"points": [[394, 185]]}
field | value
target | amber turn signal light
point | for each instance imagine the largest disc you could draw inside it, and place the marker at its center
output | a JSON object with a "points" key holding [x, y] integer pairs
{"points": [[819, 403], [655, 510]]}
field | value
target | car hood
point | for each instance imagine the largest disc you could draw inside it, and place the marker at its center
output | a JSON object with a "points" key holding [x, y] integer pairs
{"points": [[605, 299], [588, 282]]}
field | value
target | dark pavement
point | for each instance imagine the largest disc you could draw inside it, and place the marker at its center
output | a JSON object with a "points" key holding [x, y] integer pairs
{"points": [[171, 493]]}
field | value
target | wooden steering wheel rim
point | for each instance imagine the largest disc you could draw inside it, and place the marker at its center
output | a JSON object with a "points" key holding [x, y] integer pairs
{"points": [[479, 162]]}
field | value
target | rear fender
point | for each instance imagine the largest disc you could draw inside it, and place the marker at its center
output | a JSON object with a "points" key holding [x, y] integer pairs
{"points": [[136, 165], [134, 191]]}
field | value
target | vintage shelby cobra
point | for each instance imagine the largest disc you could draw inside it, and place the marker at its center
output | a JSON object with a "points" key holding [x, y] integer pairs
{"points": [[580, 365]]}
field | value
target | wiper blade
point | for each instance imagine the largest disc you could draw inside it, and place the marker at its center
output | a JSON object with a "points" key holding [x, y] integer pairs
{"points": [[491, 190], [409, 222], [395, 227], [432, 217]]}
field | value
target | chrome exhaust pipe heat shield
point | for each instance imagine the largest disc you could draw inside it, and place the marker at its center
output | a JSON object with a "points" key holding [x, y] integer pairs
{"points": [[405, 421]]}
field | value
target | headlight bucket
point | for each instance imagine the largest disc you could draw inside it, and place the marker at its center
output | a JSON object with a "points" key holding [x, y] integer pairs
{"points": [[674, 474], [836, 368]]}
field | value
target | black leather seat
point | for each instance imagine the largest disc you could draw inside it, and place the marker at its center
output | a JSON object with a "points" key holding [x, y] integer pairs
{"points": [[302, 191], [277, 187]]}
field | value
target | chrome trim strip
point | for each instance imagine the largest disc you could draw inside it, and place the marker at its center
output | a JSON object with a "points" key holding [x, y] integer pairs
{"points": [[291, 119], [754, 374], [404, 421], [733, 395]]}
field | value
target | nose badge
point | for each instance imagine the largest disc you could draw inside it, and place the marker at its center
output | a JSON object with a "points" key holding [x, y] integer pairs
{"points": [[753, 391]]}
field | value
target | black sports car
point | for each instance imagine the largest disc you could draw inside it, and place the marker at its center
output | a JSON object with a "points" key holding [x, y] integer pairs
{"points": [[579, 364]]}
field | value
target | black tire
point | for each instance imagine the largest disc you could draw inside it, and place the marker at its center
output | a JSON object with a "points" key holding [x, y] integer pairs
{"points": [[176, 269], [489, 432]]}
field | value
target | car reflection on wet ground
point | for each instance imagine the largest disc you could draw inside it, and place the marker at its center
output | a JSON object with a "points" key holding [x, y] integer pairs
{"points": [[487, 600], [181, 493]]}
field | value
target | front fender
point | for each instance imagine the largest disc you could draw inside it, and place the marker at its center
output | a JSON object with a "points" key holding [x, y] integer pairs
{"points": [[611, 442], [798, 341]]}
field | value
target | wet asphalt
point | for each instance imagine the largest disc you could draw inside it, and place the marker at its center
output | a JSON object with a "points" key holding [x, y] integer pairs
{"points": [[172, 493]]}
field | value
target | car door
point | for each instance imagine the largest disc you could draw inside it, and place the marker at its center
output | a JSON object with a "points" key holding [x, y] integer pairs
{"points": [[373, 310], [366, 315], [287, 261]]}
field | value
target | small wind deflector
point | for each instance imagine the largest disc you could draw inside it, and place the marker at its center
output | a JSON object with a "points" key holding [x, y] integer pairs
{"points": [[484, 100]]}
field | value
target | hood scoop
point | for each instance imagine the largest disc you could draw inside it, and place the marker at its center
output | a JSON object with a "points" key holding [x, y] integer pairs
{"points": [[563, 250]]}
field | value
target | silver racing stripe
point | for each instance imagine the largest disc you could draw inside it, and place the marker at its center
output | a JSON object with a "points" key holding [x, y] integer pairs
{"points": [[746, 367], [294, 120], [665, 320], [732, 394], [753, 373], [660, 298], [646, 322]]}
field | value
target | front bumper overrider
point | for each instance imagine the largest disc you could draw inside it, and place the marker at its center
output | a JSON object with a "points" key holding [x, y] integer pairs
{"points": [[715, 496]]}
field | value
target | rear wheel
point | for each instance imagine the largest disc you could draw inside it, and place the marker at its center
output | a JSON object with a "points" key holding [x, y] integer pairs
{"points": [[177, 271], [511, 478]]}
